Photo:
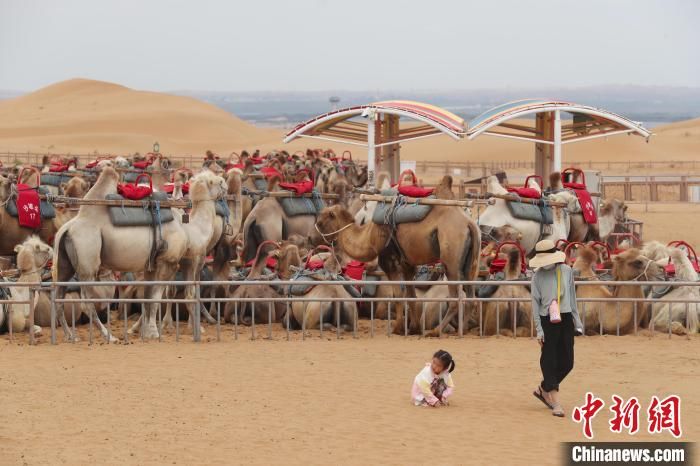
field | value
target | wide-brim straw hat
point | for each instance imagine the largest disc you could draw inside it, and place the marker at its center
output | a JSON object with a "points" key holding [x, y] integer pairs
{"points": [[546, 254]]}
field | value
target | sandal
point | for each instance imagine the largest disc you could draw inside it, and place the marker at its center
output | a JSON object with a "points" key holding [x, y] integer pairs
{"points": [[538, 394], [557, 410]]}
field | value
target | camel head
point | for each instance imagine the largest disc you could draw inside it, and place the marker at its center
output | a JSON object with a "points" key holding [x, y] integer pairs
{"points": [[616, 208], [632, 265], [206, 186], [555, 181], [586, 257], [33, 254], [513, 261], [494, 187], [332, 220], [75, 187]]}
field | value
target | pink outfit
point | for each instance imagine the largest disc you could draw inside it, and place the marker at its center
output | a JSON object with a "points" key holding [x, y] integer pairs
{"points": [[421, 392]]}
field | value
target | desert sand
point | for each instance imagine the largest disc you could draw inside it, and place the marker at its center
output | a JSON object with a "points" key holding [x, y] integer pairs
{"points": [[320, 401], [83, 116]]}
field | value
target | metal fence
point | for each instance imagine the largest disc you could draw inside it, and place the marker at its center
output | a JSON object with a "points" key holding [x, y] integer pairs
{"points": [[473, 310]]}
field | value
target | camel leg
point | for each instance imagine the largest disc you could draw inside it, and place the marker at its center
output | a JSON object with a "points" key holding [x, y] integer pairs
{"points": [[89, 292], [452, 311], [406, 309], [166, 321], [165, 271]]}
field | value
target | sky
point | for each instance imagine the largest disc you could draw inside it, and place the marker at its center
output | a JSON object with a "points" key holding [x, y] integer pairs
{"points": [[314, 45]]}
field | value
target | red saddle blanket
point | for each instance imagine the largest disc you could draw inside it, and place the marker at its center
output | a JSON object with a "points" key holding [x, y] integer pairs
{"points": [[58, 168], [134, 192], [585, 201], [530, 193], [142, 164], [315, 264], [270, 263], [415, 191], [269, 172], [28, 207], [354, 270], [302, 187]]}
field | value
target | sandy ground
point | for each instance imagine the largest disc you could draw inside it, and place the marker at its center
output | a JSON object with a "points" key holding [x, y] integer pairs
{"points": [[320, 401]]}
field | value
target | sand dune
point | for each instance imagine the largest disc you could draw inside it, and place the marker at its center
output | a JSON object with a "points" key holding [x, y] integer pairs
{"points": [[82, 116]]}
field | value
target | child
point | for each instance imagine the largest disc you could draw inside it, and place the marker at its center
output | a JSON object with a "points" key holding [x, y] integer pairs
{"points": [[433, 385]]}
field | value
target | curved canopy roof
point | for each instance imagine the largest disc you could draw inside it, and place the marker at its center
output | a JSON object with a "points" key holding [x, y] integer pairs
{"points": [[588, 122], [338, 125]]}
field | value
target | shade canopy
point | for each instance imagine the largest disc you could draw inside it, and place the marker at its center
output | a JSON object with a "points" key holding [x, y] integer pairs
{"points": [[344, 125], [586, 123]]}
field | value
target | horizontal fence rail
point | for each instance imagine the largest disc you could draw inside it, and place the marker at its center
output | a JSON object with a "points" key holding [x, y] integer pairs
{"points": [[472, 312]]}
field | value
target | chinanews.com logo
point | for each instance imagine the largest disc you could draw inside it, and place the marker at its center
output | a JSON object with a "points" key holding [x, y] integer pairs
{"points": [[628, 416]]}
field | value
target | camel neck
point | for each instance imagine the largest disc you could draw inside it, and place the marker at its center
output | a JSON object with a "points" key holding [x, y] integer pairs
{"points": [[628, 291], [363, 243]]}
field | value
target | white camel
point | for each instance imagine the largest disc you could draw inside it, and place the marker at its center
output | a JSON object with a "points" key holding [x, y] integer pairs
{"points": [[498, 215], [89, 241], [682, 317], [32, 256]]}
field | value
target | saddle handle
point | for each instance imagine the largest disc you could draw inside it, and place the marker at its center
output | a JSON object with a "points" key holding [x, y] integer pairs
{"points": [[537, 177], [604, 245], [408, 171], [570, 248], [31, 169], [523, 264], [146, 175], [349, 156], [691, 252], [314, 251], [561, 242], [230, 158], [573, 172]]}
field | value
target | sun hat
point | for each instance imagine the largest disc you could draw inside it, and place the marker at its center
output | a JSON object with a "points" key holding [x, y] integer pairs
{"points": [[546, 254]]}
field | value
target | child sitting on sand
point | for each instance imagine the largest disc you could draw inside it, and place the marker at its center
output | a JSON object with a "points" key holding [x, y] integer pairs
{"points": [[433, 385]]}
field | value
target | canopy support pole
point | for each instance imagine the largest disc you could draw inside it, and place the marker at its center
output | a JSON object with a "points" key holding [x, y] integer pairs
{"points": [[557, 141], [371, 152]]}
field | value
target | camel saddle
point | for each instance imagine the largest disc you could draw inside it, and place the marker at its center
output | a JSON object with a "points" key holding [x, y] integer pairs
{"points": [[222, 209], [399, 211], [540, 213], [54, 179], [122, 216], [294, 206], [47, 209], [301, 290]]}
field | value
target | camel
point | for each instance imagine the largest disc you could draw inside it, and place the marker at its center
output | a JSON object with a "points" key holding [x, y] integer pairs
{"points": [[498, 215], [579, 230], [81, 311], [32, 256], [603, 315], [681, 324], [268, 222], [447, 233], [502, 316], [203, 230], [309, 315], [611, 213], [76, 187], [90, 241], [11, 234], [262, 310]]}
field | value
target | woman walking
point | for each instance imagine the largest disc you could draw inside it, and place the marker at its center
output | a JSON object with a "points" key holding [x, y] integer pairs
{"points": [[556, 320]]}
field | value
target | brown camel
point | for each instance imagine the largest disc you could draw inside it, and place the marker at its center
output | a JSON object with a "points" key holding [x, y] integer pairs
{"points": [[501, 317], [309, 315], [256, 312], [11, 234], [447, 234], [603, 315]]}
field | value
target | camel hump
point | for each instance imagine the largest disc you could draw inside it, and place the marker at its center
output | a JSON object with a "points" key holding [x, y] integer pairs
{"points": [[444, 189]]}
